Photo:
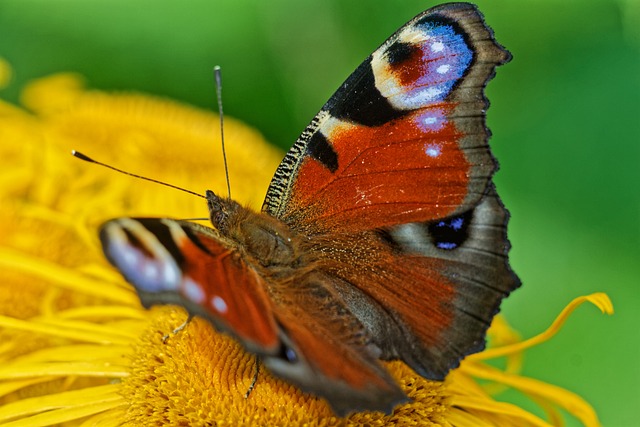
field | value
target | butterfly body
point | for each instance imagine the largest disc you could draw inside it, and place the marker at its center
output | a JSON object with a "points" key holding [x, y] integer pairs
{"points": [[381, 236]]}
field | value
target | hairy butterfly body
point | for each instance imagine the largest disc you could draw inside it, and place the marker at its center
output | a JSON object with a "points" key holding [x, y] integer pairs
{"points": [[381, 236]]}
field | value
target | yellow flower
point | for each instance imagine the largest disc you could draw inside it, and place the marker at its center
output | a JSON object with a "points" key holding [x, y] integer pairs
{"points": [[75, 345]]}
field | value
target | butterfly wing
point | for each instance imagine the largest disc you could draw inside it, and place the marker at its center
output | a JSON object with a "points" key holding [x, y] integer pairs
{"points": [[403, 139], [393, 180], [182, 263]]}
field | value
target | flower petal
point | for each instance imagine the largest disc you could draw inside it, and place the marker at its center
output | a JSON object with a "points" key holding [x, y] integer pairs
{"points": [[58, 409], [573, 403]]}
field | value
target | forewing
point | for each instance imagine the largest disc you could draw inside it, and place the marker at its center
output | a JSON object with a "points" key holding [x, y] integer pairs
{"points": [[182, 263], [404, 138]]}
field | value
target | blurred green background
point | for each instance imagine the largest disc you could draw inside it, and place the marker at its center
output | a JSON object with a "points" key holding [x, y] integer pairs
{"points": [[565, 117]]}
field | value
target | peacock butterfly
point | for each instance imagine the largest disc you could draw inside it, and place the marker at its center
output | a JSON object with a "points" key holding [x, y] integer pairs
{"points": [[381, 235]]}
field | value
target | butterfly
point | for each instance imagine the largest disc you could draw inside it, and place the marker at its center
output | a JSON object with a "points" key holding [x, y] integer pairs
{"points": [[381, 235]]}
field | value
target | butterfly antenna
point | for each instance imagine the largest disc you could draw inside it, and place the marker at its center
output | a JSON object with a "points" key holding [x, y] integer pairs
{"points": [[218, 76], [90, 160]]}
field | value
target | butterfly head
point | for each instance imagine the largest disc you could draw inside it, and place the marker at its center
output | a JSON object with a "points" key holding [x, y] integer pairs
{"points": [[221, 211]]}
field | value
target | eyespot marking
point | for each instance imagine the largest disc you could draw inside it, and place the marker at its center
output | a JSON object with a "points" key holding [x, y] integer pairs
{"points": [[451, 233], [139, 255]]}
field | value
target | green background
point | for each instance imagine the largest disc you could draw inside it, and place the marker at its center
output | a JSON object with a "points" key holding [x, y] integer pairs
{"points": [[565, 117]]}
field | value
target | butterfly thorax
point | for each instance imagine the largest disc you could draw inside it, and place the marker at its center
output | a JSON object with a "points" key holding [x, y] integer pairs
{"points": [[261, 238]]}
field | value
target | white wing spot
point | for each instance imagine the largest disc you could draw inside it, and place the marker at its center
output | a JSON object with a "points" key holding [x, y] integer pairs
{"points": [[430, 121], [432, 150], [193, 291], [219, 304], [437, 46], [443, 69]]}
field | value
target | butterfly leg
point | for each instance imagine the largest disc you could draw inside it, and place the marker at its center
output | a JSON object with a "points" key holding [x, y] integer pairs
{"points": [[255, 378], [184, 324]]}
